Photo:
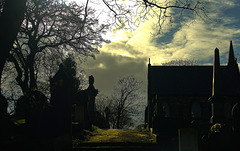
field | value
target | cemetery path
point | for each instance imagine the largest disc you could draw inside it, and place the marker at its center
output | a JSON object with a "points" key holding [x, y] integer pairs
{"points": [[119, 136], [116, 139]]}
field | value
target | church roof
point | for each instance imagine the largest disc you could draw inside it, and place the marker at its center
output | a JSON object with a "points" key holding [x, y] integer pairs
{"points": [[191, 80]]}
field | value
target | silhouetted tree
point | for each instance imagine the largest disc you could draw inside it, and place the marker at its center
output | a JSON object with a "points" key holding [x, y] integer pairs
{"points": [[52, 28], [12, 12], [134, 12], [11, 17], [124, 102], [102, 101], [180, 62]]}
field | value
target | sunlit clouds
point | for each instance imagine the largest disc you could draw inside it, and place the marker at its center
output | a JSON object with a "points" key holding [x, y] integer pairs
{"points": [[185, 38], [191, 39]]}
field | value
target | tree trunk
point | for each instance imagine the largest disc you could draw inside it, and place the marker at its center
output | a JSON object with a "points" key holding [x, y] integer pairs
{"points": [[10, 21], [118, 120], [33, 81], [21, 83]]}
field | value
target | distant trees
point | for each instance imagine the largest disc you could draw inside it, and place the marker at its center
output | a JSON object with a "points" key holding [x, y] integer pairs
{"points": [[102, 102], [123, 103], [181, 62], [51, 31]]}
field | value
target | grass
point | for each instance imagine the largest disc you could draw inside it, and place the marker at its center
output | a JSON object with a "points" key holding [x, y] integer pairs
{"points": [[98, 135], [117, 136], [18, 121]]}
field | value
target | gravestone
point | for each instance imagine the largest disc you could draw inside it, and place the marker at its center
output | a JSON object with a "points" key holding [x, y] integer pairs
{"points": [[85, 109], [79, 113], [61, 87], [35, 104], [188, 139], [6, 126], [20, 107], [92, 93]]}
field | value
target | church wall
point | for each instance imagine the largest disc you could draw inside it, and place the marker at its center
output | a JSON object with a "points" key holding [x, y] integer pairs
{"points": [[179, 112], [180, 106]]}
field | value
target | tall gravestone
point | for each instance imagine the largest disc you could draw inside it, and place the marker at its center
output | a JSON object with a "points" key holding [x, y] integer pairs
{"points": [[62, 85], [92, 93], [85, 108]]}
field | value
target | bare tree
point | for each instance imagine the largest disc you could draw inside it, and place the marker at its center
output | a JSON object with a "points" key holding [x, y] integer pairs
{"points": [[125, 102], [181, 62], [102, 102], [53, 28], [12, 15], [137, 11]]}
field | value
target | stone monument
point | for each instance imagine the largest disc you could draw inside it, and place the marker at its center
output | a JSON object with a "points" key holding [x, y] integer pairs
{"points": [[61, 87], [85, 109]]}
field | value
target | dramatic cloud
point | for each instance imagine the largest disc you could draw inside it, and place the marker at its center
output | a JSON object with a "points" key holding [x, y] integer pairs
{"points": [[108, 68], [128, 52], [186, 40]]}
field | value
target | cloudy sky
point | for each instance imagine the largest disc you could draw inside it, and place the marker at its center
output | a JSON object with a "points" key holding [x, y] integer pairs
{"points": [[129, 51]]}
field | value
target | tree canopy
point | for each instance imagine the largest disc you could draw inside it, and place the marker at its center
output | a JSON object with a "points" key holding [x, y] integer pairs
{"points": [[52, 25], [52, 30]]}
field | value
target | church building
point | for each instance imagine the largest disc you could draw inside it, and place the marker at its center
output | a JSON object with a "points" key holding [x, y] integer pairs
{"points": [[192, 96]]}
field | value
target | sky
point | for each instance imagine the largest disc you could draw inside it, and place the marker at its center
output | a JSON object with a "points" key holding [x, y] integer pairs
{"points": [[128, 52]]}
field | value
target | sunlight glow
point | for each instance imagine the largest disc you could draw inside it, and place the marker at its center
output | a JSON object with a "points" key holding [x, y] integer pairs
{"points": [[178, 41], [102, 66]]}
